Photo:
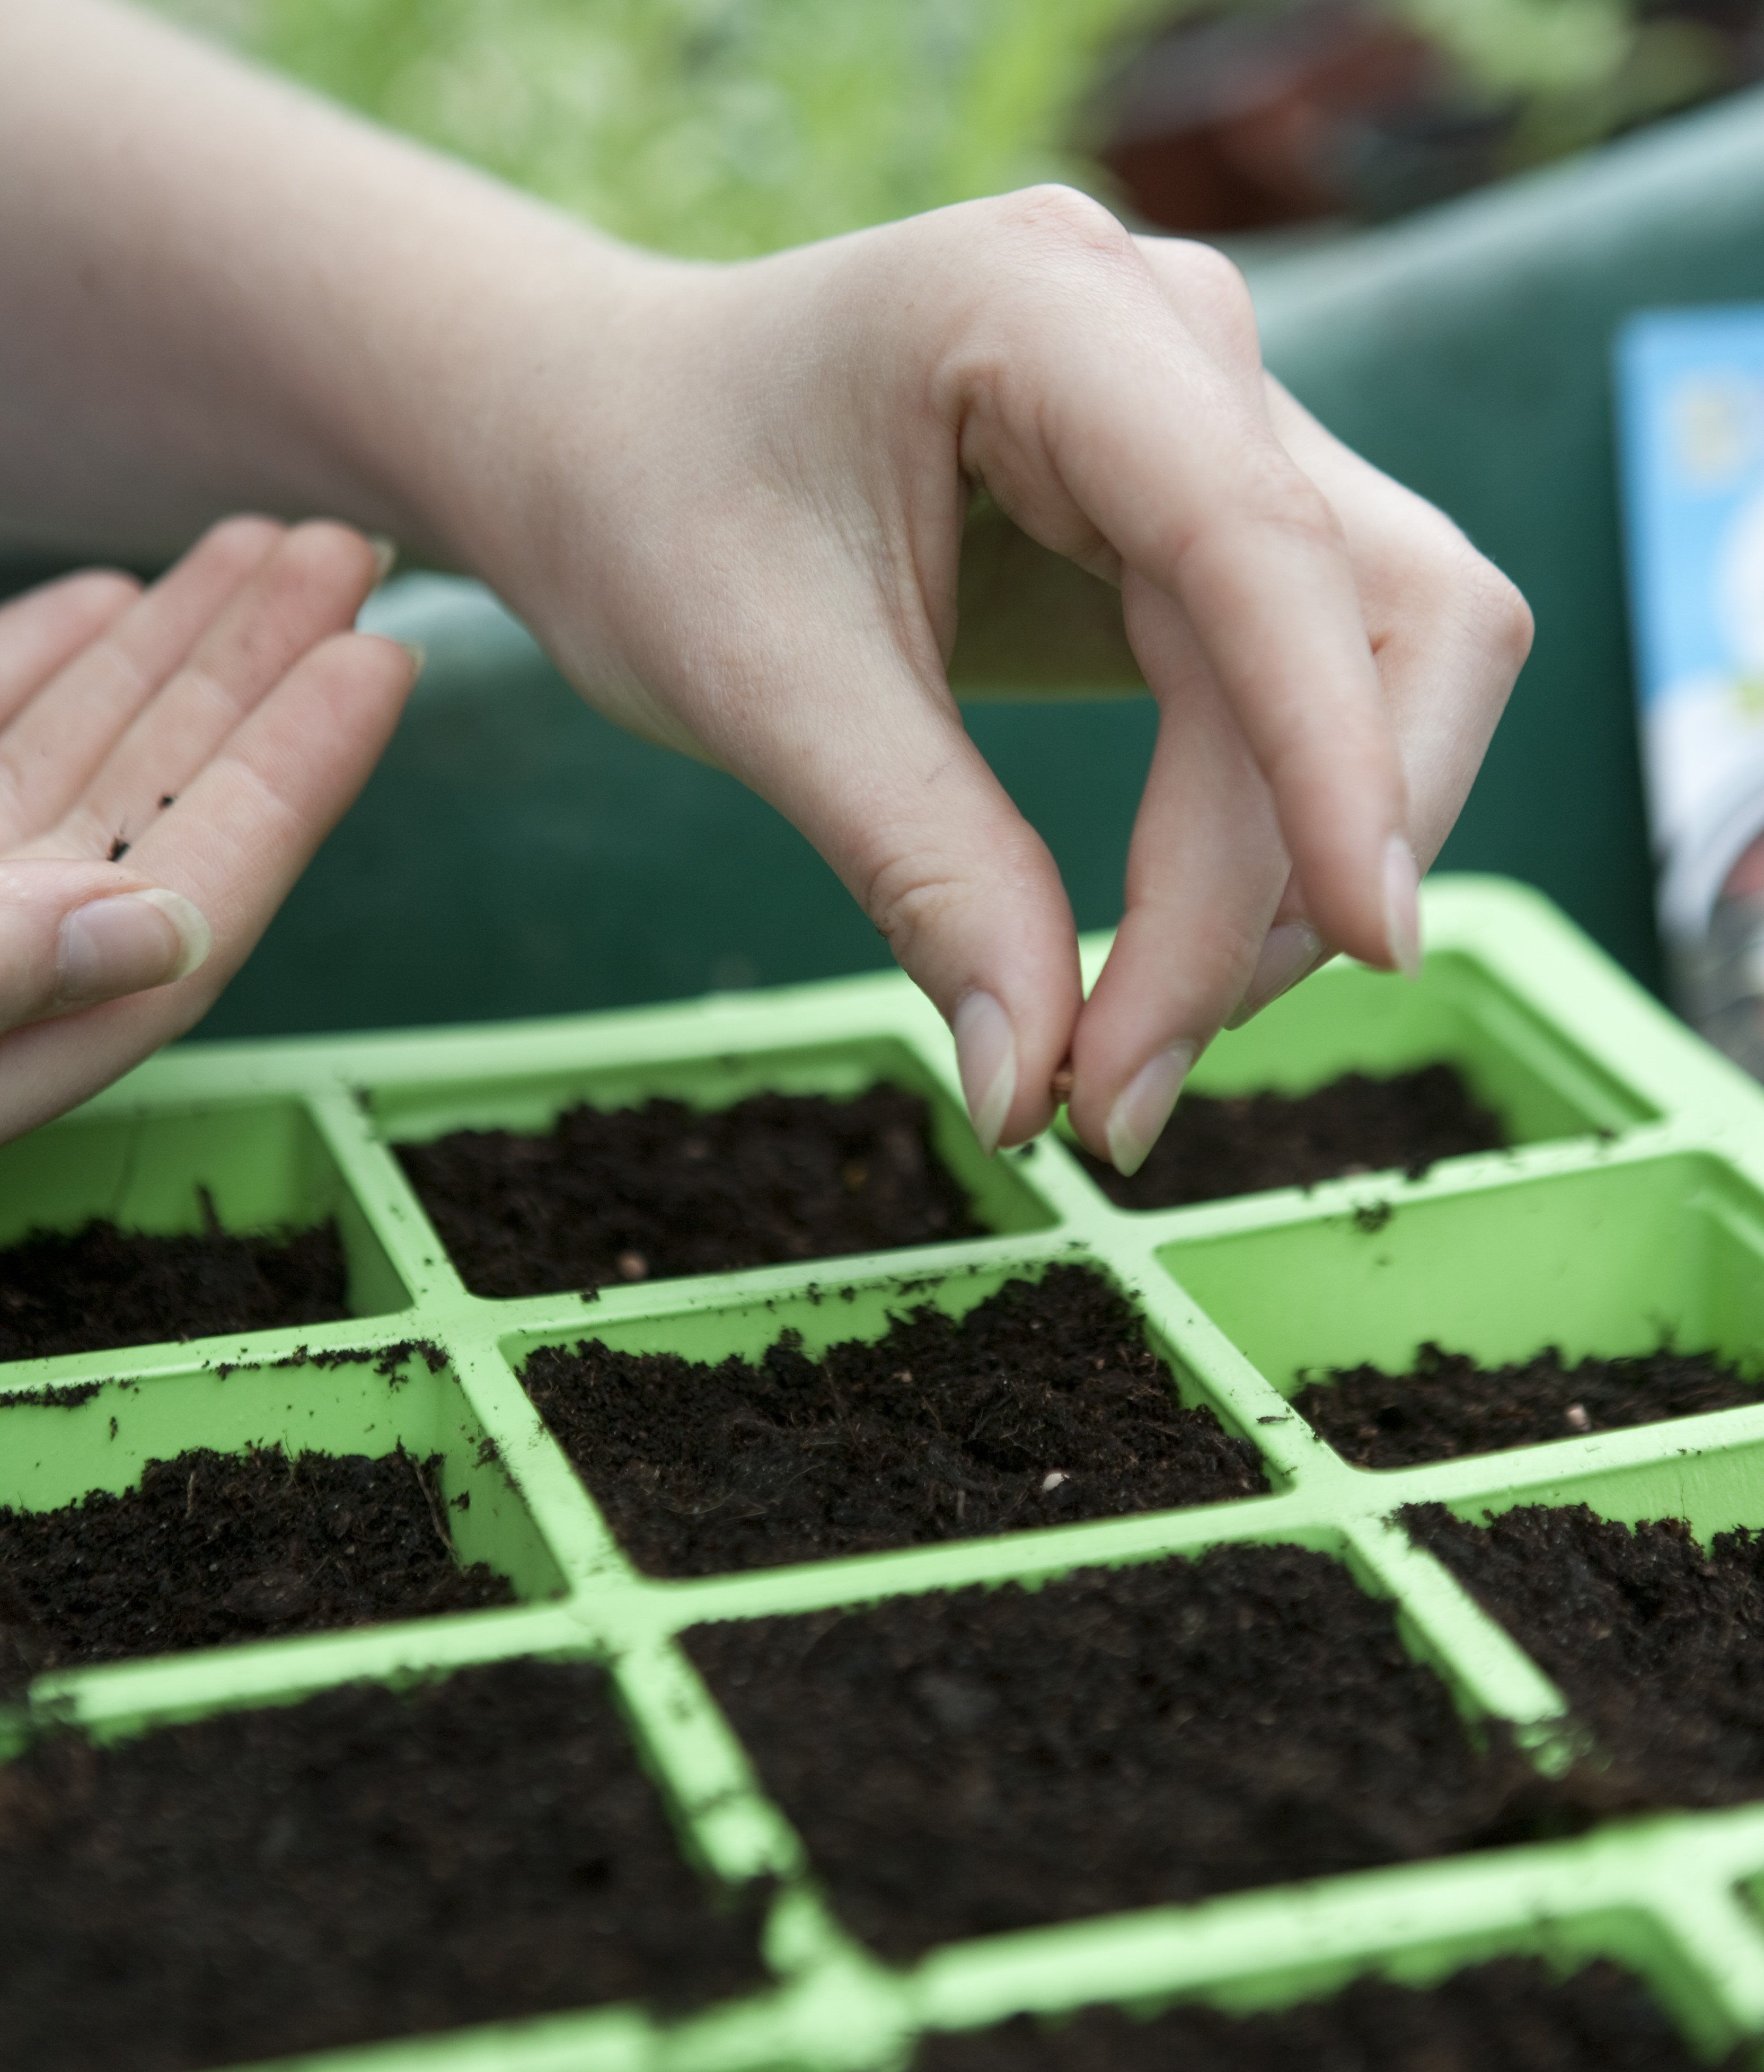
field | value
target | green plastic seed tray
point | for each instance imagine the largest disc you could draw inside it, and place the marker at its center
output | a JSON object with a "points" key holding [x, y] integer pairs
{"points": [[1629, 1209]]}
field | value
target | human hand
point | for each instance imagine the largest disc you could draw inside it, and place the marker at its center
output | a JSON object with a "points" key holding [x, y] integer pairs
{"points": [[169, 760], [739, 528]]}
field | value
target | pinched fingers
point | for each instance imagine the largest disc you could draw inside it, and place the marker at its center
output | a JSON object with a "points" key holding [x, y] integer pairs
{"points": [[1204, 874], [1156, 428]]}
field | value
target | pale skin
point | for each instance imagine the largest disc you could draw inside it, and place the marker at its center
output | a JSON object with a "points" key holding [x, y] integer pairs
{"points": [[730, 500]]}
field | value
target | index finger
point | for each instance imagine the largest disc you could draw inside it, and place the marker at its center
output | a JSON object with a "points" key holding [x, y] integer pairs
{"points": [[1168, 450]]}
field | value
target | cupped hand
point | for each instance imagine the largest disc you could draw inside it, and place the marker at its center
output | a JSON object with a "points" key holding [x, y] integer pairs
{"points": [[169, 760], [744, 541]]}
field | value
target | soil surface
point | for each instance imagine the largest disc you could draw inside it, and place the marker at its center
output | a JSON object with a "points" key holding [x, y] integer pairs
{"points": [[1213, 1147], [360, 1865], [1043, 1404], [1511, 2016], [101, 1287], [631, 1193], [213, 1547], [1654, 1641], [966, 1763], [1447, 1405]]}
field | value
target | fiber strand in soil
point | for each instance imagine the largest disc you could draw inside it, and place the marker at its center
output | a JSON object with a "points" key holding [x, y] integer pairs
{"points": [[1214, 1146], [1447, 1406], [980, 1761], [1042, 1404], [366, 1864], [631, 1193]]}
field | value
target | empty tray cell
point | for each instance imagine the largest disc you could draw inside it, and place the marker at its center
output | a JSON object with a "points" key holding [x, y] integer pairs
{"points": [[1515, 2013], [169, 1227], [1614, 1263], [367, 1864], [706, 1165], [1356, 1072], [1042, 1404], [965, 1763], [1640, 1593], [209, 1506]]}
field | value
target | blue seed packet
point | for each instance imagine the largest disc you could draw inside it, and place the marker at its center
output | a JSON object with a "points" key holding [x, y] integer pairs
{"points": [[1690, 399]]}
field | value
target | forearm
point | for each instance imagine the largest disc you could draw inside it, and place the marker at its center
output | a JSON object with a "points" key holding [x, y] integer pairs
{"points": [[219, 292]]}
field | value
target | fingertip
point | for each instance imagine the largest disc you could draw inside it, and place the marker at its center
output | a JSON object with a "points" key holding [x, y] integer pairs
{"points": [[986, 1059], [1402, 907], [1136, 1117], [129, 942]]}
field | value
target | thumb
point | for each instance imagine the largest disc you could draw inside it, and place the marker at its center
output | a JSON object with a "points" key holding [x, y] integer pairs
{"points": [[72, 933]]}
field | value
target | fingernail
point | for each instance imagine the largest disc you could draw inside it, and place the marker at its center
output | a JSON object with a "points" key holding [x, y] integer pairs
{"points": [[129, 942], [986, 1058], [1287, 953], [418, 655], [1140, 1112], [385, 555], [1402, 907]]}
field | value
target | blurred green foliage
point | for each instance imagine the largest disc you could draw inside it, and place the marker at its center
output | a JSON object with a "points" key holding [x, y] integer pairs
{"points": [[713, 128], [717, 128]]}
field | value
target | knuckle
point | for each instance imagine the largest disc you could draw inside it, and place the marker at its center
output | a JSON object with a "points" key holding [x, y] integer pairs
{"points": [[1215, 281], [908, 901], [1063, 219], [1277, 494], [1491, 607]]}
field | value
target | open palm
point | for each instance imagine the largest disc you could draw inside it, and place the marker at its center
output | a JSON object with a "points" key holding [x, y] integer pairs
{"points": [[169, 758]]}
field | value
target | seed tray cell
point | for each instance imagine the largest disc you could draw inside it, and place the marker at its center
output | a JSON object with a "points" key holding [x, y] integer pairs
{"points": [[1629, 1204], [248, 1166]]}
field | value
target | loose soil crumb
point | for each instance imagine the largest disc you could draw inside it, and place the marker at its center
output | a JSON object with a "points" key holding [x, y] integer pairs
{"points": [[1511, 2016], [967, 1763], [361, 1865], [631, 1193], [101, 1287], [1043, 1404], [1654, 1642], [213, 1547], [1447, 1405], [1213, 1147]]}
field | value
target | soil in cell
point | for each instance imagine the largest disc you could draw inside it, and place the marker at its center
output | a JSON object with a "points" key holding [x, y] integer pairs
{"points": [[364, 1864], [1447, 1405], [1653, 1639], [1513, 2015], [631, 1193], [971, 1762], [1214, 1146], [1042, 1404], [211, 1548], [101, 1287]]}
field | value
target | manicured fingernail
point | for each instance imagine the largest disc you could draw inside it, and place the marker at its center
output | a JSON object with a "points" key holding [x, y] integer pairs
{"points": [[986, 1057], [385, 555], [1137, 1120], [124, 944], [1287, 953], [1402, 907]]}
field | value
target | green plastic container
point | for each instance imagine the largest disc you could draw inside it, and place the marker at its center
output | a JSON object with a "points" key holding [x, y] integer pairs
{"points": [[1633, 1205]]}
